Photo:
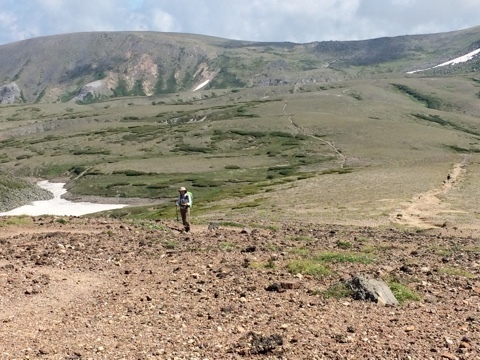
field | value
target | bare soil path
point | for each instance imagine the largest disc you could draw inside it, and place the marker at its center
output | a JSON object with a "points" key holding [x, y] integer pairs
{"points": [[301, 130], [424, 210]]}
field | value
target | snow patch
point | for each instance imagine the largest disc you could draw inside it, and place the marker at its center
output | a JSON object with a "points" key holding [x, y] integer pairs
{"points": [[201, 85], [59, 206], [458, 60]]}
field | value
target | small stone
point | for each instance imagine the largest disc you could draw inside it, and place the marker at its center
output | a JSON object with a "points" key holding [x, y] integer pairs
{"points": [[275, 287], [289, 285], [343, 339], [410, 328], [447, 355], [240, 329]]}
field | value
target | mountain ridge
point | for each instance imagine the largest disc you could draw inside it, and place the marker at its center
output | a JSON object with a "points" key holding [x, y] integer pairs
{"points": [[90, 66]]}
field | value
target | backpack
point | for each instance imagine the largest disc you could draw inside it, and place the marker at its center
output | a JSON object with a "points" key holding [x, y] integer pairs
{"points": [[191, 198]]}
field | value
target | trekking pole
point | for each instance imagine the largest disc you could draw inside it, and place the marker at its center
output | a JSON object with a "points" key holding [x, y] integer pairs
{"points": [[176, 211]]}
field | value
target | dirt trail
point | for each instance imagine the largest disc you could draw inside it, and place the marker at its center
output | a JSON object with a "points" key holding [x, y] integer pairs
{"points": [[302, 131], [423, 210]]}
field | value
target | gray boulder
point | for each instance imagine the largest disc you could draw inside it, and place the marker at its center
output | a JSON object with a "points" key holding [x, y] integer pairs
{"points": [[373, 290]]}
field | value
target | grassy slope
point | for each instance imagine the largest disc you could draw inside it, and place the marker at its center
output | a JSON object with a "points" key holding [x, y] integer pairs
{"points": [[261, 151]]}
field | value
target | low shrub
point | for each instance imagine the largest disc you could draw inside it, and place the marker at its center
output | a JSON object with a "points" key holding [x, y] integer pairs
{"points": [[342, 257], [402, 293], [307, 267]]}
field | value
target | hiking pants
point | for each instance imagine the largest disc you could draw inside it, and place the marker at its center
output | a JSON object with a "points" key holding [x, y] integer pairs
{"points": [[185, 212]]}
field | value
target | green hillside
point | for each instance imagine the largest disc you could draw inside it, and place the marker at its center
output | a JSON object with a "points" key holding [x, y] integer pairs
{"points": [[351, 151], [321, 132]]}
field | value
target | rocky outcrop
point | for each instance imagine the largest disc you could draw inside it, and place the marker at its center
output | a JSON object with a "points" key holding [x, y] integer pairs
{"points": [[92, 91], [15, 193], [10, 93]]}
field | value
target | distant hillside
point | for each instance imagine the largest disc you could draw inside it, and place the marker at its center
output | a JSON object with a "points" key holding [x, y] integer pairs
{"points": [[86, 67]]}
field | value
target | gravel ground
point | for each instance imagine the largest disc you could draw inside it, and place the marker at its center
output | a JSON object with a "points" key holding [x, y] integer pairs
{"points": [[84, 288]]}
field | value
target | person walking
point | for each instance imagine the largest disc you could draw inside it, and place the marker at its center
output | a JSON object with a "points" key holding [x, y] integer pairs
{"points": [[185, 202]]}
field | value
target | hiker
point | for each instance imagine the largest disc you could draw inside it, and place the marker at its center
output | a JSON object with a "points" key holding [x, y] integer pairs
{"points": [[185, 202]]}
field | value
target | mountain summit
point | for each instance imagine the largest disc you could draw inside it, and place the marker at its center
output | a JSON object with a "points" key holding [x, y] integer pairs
{"points": [[86, 67]]}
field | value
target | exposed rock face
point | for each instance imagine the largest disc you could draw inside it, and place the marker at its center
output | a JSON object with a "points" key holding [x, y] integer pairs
{"points": [[94, 90], [49, 69], [9, 93]]}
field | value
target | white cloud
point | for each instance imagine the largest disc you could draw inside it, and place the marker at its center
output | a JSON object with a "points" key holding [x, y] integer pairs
{"points": [[163, 21], [7, 19], [10, 29], [137, 22], [258, 20]]}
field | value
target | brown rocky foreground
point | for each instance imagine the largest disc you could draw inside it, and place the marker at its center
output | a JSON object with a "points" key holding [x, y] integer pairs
{"points": [[84, 288]]}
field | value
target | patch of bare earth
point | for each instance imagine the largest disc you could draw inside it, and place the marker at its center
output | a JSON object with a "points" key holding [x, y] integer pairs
{"points": [[425, 210], [101, 289]]}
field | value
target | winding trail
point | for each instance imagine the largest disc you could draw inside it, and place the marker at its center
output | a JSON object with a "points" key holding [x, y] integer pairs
{"points": [[301, 130], [424, 208]]}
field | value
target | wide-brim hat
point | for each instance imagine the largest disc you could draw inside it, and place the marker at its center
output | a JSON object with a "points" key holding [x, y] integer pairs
{"points": [[182, 189]]}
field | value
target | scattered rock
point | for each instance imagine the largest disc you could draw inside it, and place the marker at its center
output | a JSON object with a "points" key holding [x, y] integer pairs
{"points": [[249, 249], [247, 231], [256, 344], [195, 301], [213, 226], [373, 290], [275, 287]]}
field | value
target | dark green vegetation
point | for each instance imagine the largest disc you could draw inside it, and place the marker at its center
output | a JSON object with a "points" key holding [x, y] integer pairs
{"points": [[316, 141]]}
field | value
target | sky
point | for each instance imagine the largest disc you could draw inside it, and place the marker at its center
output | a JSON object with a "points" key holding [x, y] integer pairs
{"points": [[299, 21]]}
